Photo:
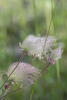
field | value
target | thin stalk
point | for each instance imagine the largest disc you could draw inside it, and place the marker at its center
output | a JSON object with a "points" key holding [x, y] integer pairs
{"points": [[44, 68], [31, 95], [58, 71], [12, 71], [10, 93], [57, 63], [35, 15]]}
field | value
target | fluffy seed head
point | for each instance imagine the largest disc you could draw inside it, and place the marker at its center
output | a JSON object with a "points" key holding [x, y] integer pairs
{"points": [[24, 73], [47, 46]]}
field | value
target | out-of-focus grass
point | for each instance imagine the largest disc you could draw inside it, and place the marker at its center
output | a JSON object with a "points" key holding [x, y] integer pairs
{"points": [[19, 18]]}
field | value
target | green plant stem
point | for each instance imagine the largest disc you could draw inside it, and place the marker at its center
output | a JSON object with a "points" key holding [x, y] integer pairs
{"points": [[10, 93], [57, 62], [35, 16], [31, 95], [12, 71], [58, 71]]}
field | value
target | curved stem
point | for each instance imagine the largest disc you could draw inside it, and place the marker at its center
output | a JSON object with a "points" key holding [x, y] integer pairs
{"points": [[12, 71], [10, 93]]}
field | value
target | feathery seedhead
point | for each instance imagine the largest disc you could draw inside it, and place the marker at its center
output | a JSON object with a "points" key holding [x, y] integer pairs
{"points": [[24, 73], [43, 46]]}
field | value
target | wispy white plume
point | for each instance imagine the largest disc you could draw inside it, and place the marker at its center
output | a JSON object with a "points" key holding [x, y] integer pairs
{"points": [[39, 46]]}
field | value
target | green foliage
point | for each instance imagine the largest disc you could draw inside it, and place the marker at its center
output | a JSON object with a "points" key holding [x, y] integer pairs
{"points": [[19, 18], [1, 82]]}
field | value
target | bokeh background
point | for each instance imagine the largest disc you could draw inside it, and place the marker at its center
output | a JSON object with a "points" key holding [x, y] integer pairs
{"points": [[18, 19]]}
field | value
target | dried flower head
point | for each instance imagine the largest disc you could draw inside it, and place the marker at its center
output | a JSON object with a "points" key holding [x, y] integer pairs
{"points": [[43, 46], [24, 73]]}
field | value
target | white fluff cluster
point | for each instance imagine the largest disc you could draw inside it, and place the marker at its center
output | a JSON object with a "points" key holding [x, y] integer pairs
{"points": [[24, 73], [43, 46]]}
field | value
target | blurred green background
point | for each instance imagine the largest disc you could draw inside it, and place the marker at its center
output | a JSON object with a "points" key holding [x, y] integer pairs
{"points": [[18, 19]]}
